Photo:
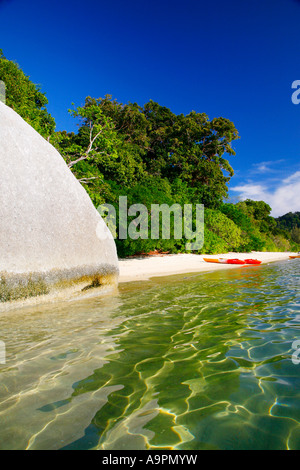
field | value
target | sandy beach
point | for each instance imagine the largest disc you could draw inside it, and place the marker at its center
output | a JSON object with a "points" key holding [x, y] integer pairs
{"points": [[143, 268]]}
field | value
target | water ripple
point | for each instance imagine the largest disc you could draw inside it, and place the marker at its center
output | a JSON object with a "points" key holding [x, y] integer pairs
{"points": [[197, 362]]}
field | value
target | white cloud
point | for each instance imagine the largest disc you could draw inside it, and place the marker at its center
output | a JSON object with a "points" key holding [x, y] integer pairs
{"points": [[267, 167], [292, 178], [262, 168], [284, 198]]}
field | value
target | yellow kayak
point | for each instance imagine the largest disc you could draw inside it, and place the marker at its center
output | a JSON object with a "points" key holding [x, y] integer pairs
{"points": [[215, 260]]}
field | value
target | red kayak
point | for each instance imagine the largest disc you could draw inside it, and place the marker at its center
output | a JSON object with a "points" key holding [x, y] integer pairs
{"points": [[232, 261], [252, 261], [235, 261]]}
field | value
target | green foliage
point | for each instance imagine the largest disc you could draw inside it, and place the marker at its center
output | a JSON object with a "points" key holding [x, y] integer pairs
{"points": [[234, 213], [154, 156], [213, 244], [25, 97], [250, 235], [260, 231], [224, 228], [289, 221], [141, 142], [151, 191], [295, 234]]}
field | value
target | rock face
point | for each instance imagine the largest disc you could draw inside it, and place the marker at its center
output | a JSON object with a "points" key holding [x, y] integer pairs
{"points": [[49, 228]]}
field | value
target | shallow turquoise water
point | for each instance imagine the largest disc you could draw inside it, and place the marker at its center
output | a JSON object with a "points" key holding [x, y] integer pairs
{"points": [[187, 362]]}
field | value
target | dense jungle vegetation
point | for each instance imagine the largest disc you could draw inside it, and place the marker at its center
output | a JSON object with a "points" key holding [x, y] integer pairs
{"points": [[154, 156]]}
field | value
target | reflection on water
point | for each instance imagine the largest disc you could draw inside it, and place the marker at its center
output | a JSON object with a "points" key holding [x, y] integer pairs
{"points": [[188, 362]]}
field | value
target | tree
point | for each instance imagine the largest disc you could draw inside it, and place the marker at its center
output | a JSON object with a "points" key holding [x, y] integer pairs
{"points": [[98, 153], [96, 137], [289, 220], [191, 147], [172, 146], [259, 213], [295, 233], [25, 97]]}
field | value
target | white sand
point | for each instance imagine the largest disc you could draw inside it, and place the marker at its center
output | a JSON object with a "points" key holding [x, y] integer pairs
{"points": [[140, 269]]}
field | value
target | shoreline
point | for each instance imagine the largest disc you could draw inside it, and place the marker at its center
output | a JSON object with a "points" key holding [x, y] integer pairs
{"points": [[144, 268]]}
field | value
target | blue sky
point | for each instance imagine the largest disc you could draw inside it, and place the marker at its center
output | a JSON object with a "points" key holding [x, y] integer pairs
{"points": [[236, 59]]}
